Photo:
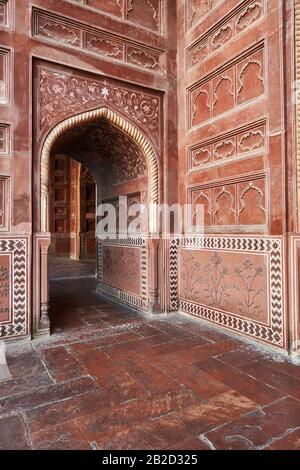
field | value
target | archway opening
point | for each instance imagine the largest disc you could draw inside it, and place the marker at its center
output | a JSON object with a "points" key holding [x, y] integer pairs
{"points": [[122, 163]]}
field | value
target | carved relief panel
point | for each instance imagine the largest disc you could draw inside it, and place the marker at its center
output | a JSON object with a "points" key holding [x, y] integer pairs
{"points": [[236, 22], [113, 7], [235, 282], [52, 27], [62, 93], [6, 14], [239, 82], [144, 13], [230, 147], [233, 204], [232, 134], [197, 10]]}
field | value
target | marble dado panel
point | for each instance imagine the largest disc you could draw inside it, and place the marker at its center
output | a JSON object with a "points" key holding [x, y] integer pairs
{"points": [[144, 13], [5, 145], [235, 282], [122, 270], [232, 85], [58, 29], [230, 147], [13, 287], [235, 204], [235, 23]]}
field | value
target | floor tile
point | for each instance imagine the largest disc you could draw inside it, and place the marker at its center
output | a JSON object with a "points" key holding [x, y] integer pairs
{"points": [[259, 429], [13, 434], [109, 378], [254, 389], [63, 437]]}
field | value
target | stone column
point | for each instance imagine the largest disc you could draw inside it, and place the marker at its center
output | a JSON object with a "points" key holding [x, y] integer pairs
{"points": [[41, 320], [153, 305]]}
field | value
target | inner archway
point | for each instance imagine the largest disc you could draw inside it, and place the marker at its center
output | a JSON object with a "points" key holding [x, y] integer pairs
{"points": [[96, 139], [123, 125]]}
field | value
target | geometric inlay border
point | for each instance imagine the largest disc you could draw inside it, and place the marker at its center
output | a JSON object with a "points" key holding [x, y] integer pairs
{"points": [[17, 247]]}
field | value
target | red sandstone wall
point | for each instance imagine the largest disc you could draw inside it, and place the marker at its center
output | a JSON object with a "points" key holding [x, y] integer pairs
{"points": [[236, 142], [232, 78], [130, 46]]}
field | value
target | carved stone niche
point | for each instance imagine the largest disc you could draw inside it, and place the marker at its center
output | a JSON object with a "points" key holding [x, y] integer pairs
{"points": [[241, 81], [4, 76], [4, 13], [145, 13], [4, 140], [197, 10], [4, 203], [224, 31]]}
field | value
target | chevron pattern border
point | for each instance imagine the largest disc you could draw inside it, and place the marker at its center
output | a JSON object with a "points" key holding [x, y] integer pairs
{"points": [[273, 334], [173, 276], [18, 248]]}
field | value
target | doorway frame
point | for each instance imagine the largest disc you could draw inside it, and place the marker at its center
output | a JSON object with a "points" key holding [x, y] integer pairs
{"points": [[42, 240]]}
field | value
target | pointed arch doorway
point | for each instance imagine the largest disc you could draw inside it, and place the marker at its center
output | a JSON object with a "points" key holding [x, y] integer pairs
{"points": [[149, 247]]}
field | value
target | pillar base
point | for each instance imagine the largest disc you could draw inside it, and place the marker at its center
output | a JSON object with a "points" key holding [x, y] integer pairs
{"points": [[154, 306], [295, 358], [44, 323]]}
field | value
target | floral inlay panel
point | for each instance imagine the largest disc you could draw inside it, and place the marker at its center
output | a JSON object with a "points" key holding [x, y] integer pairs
{"points": [[233, 282], [121, 268]]}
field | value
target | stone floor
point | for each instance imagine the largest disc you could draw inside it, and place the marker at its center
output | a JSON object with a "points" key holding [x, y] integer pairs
{"points": [[112, 379]]}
